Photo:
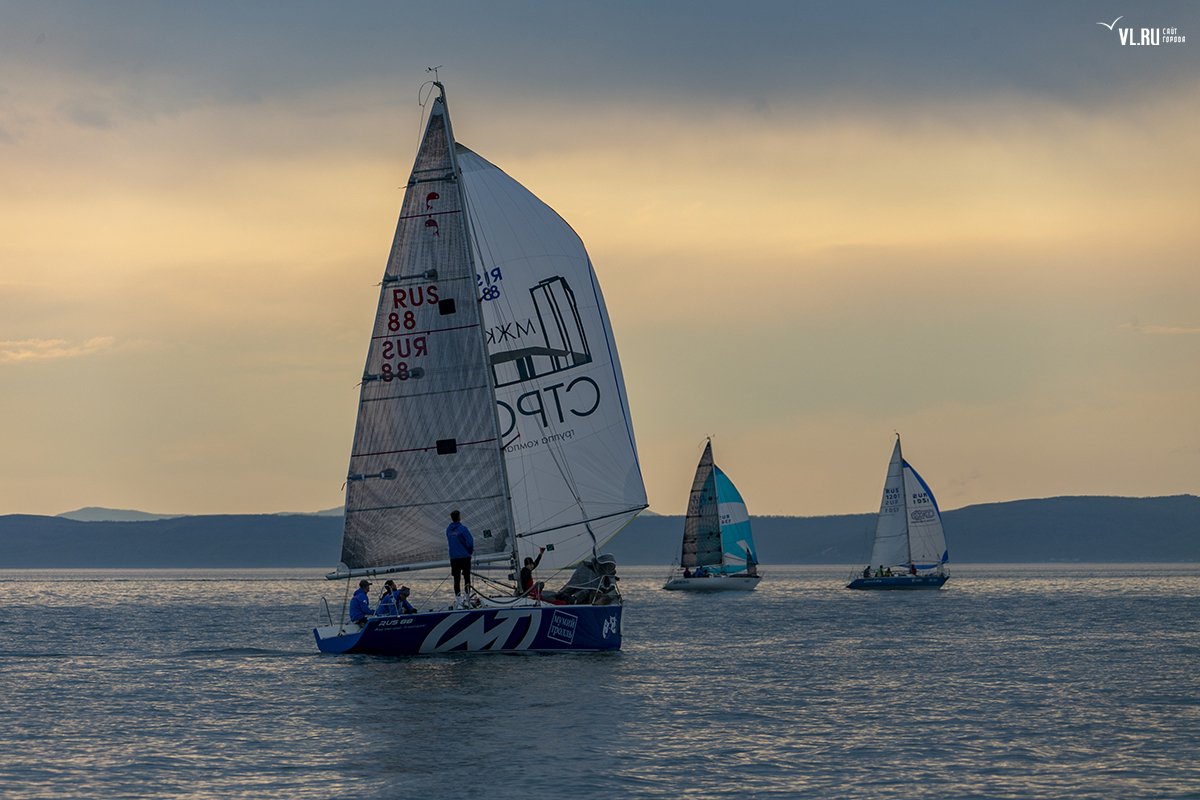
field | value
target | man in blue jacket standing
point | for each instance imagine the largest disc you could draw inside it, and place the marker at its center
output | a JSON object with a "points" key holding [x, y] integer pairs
{"points": [[360, 604], [461, 547]]}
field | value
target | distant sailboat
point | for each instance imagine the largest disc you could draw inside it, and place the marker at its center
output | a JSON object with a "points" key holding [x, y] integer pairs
{"points": [[910, 547], [492, 386], [718, 549]]}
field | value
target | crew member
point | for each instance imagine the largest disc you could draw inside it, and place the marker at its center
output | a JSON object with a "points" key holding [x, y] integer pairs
{"points": [[527, 573], [387, 601], [461, 547], [402, 603], [360, 604]]}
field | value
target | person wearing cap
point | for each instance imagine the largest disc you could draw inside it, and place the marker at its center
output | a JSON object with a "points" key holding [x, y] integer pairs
{"points": [[402, 603], [387, 601], [461, 547], [360, 604]]}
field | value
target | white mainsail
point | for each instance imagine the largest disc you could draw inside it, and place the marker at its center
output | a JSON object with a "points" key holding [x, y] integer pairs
{"points": [[909, 527], [507, 403]]}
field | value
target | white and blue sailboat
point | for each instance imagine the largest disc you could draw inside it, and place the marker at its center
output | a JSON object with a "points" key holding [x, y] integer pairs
{"points": [[718, 548], [492, 386], [909, 551]]}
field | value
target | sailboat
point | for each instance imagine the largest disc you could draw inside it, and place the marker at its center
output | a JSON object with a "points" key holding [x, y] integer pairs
{"points": [[718, 549], [909, 551], [492, 387]]}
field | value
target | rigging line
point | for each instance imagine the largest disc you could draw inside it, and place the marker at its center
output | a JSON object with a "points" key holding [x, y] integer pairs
{"points": [[430, 595], [345, 602], [486, 579], [583, 521]]}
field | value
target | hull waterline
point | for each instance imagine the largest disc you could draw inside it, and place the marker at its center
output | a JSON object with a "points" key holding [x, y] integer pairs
{"points": [[722, 584], [900, 582], [486, 630]]}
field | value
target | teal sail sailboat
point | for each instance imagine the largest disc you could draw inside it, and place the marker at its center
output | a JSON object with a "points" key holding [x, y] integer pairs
{"points": [[718, 548], [492, 387], [909, 551]]}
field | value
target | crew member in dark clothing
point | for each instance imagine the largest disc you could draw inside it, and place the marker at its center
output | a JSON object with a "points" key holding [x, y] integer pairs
{"points": [[461, 547], [387, 601], [527, 572], [360, 604], [402, 603]]}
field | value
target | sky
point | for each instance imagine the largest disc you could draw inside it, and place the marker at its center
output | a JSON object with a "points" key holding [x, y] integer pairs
{"points": [[815, 225]]}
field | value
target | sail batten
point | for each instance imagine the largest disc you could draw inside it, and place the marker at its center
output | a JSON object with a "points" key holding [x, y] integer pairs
{"points": [[701, 526]]}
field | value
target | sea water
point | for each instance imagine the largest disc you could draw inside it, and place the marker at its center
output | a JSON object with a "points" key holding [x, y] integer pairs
{"points": [[1013, 681]]}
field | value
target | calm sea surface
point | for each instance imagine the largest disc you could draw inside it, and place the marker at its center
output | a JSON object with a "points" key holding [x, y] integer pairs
{"points": [[1024, 681]]}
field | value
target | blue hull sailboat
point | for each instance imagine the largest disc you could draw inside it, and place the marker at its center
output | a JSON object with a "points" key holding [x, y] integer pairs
{"points": [[718, 548], [492, 387], [909, 551]]}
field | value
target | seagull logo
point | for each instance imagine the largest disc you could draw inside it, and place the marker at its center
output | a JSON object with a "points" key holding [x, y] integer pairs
{"points": [[1114, 22]]}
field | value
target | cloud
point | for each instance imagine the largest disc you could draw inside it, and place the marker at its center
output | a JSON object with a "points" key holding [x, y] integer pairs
{"points": [[49, 349], [1155, 329]]}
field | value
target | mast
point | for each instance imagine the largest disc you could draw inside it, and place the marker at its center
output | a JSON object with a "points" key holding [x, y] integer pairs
{"points": [[462, 199], [717, 502], [904, 488]]}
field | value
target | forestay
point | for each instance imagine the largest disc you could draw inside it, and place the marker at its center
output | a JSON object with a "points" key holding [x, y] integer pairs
{"points": [[560, 397]]}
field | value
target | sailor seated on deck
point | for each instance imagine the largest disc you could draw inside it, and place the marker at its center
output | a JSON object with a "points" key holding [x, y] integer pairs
{"points": [[879, 572], [867, 571], [387, 601], [887, 573], [402, 603], [360, 604], [687, 573]]}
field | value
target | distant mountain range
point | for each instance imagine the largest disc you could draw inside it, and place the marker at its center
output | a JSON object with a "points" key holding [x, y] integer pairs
{"points": [[97, 514], [1063, 529]]}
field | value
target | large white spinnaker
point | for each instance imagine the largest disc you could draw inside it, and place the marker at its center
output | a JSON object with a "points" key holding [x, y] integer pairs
{"points": [[564, 420]]}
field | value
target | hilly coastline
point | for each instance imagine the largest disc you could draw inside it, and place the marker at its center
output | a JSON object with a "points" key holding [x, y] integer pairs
{"points": [[1058, 529]]}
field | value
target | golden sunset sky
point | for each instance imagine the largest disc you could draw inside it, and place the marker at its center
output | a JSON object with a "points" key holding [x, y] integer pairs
{"points": [[814, 225]]}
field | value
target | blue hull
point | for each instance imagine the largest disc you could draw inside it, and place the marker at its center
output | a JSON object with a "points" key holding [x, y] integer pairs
{"points": [[900, 582], [486, 630]]}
